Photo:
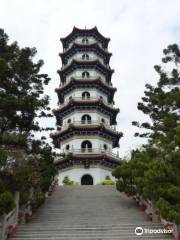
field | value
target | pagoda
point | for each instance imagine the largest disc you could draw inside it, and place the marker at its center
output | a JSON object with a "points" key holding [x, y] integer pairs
{"points": [[86, 117]]}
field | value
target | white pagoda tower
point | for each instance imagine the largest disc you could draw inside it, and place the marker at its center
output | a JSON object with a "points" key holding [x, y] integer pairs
{"points": [[86, 118]]}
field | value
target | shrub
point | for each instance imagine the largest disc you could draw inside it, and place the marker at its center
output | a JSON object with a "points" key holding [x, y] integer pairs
{"points": [[108, 182], [6, 202], [38, 201], [68, 182]]}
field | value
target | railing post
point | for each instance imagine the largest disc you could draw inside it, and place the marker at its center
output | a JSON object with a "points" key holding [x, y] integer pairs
{"points": [[4, 228], [154, 217], [16, 201]]}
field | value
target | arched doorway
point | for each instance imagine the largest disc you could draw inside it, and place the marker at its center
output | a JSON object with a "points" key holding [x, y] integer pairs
{"points": [[87, 180]]}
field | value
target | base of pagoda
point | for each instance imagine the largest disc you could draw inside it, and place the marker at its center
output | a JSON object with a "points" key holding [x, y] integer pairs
{"points": [[83, 176]]}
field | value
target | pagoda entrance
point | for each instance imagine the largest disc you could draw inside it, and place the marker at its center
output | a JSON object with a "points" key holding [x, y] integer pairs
{"points": [[87, 180]]}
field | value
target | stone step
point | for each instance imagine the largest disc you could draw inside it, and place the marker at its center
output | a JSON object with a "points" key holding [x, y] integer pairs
{"points": [[84, 227], [88, 213], [92, 238]]}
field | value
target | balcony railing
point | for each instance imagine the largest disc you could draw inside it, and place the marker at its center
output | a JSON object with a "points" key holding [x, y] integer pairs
{"points": [[91, 151], [84, 79], [85, 43], [88, 123], [86, 99], [64, 66]]}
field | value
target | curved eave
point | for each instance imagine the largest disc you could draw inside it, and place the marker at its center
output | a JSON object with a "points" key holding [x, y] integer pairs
{"points": [[100, 127], [99, 130], [85, 64], [80, 47], [97, 103], [73, 84], [76, 157], [85, 32]]}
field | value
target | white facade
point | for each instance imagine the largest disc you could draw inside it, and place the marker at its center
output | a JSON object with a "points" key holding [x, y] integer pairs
{"points": [[83, 57], [80, 40], [77, 116], [76, 174], [93, 74], [94, 94], [97, 142]]}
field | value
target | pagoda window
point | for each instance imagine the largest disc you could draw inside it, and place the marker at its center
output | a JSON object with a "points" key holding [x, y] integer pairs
{"points": [[67, 147], [101, 98], [102, 120], [85, 74], [85, 40], [105, 147], [85, 57], [85, 95], [69, 120], [86, 119], [86, 146]]}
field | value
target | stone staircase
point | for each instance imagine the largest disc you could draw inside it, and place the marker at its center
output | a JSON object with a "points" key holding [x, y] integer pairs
{"points": [[87, 213]]}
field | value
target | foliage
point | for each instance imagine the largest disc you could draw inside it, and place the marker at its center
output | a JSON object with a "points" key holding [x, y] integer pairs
{"points": [[3, 158], [108, 182], [13, 139], [67, 181], [21, 87], [38, 201], [153, 171], [6, 202], [22, 102]]}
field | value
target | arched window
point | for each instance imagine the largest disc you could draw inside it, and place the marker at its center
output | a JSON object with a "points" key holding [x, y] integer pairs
{"points": [[85, 74], [101, 97], [102, 120], [67, 147], [69, 120], [85, 57], [105, 147], [86, 119], [85, 95], [85, 40], [86, 146]]}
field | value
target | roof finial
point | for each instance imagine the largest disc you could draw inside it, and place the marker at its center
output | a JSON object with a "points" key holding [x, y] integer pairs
{"points": [[85, 27]]}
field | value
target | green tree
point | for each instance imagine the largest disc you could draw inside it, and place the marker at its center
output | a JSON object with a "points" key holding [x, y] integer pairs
{"points": [[154, 171], [25, 163], [21, 87]]}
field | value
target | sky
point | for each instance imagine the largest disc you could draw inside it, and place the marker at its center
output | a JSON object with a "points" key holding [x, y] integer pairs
{"points": [[139, 31]]}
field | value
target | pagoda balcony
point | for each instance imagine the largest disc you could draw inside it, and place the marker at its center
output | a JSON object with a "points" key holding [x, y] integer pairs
{"points": [[80, 60], [81, 65], [91, 152], [84, 44], [79, 79], [91, 78], [81, 47], [80, 99], [88, 123]]}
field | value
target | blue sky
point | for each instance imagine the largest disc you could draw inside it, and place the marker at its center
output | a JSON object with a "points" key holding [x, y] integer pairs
{"points": [[139, 30]]}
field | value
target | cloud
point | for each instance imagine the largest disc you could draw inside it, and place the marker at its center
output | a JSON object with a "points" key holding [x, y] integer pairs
{"points": [[139, 30]]}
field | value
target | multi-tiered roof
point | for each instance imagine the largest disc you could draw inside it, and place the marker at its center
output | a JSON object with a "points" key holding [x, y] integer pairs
{"points": [[70, 47]]}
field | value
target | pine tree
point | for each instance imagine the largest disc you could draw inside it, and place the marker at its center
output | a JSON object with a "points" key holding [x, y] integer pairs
{"points": [[154, 171]]}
